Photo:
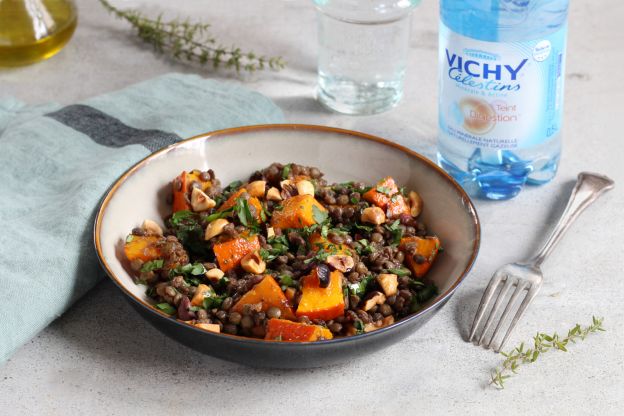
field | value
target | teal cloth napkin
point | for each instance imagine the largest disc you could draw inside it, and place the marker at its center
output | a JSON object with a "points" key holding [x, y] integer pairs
{"points": [[57, 162]]}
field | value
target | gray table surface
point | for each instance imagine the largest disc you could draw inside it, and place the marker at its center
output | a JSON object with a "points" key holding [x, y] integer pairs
{"points": [[101, 358]]}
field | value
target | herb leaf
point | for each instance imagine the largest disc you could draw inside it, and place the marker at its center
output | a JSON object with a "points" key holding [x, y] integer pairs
{"points": [[400, 272], [319, 216], [152, 265], [397, 232], [359, 289], [244, 214], [384, 190], [541, 343], [190, 272], [187, 228], [286, 171], [359, 326], [166, 308]]}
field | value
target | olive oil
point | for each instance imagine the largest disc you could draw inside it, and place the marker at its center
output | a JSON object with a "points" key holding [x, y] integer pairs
{"points": [[34, 30]]}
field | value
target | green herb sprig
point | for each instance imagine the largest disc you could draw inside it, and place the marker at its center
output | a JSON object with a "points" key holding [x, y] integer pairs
{"points": [[191, 42], [541, 343]]}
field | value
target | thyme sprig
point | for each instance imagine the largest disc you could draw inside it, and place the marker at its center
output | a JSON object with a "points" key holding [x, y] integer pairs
{"points": [[188, 41], [541, 343]]}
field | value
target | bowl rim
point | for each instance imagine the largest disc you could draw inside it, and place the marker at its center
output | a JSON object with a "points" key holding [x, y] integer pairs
{"points": [[225, 133]]}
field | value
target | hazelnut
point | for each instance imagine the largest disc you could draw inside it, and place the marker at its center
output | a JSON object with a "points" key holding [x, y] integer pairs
{"points": [[286, 183], [373, 215], [370, 327], [200, 201], [389, 283], [215, 228], [152, 228], [270, 232], [375, 298], [256, 188], [341, 262], [209, 327], [214, 275], [305, 188], [273, 194], [253, 263], [416, 204]]}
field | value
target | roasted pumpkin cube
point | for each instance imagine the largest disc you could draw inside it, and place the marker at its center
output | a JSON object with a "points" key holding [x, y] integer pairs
{"points": [[420, 253], [143, 248], [318, 302], [267, 293], [284, 330], [396, 206], [200, 294], [230, 253], [380, 194], [180, 199], [318, 242], [297, 212]]}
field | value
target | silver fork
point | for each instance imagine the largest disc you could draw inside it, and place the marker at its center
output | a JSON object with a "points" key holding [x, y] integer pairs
{"points": [[527, 276]]}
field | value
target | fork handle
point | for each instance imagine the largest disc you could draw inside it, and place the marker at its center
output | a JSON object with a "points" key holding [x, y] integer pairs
{"points": [[589, 186]]}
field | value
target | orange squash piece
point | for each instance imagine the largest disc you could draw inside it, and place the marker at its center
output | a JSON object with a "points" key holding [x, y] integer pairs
{"points": [[230, 253], [200, 294], [397, 206], [317, 242], [296, 212], [142, 248], [427, 247], [321, 303], [269, 294], [253, 201], [283, 330], [179, 195], [381, 199]]}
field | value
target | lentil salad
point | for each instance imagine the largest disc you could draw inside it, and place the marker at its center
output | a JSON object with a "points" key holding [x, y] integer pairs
{"points": [[286, 256]]}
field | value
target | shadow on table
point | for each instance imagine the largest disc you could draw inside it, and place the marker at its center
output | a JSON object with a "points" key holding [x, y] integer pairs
{"points": [[103, 324], [301, 104], [465, 306]]}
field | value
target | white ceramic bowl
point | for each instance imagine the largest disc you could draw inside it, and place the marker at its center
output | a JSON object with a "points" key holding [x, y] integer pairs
{"points": [[236, 153]]}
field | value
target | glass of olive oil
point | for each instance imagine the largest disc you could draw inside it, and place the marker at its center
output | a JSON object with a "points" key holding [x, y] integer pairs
{"points": [[34, 30]]}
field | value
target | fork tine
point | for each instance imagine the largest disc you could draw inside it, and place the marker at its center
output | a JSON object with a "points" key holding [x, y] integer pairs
{"points": [[512, 301], [485, 300], [525, 303], [509, 282]]}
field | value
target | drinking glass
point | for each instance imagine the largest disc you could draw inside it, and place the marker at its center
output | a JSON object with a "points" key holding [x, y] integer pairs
{"points": [[362, 53]]}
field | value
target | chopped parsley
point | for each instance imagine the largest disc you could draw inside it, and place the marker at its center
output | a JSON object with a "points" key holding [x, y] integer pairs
{"points": [[246, 218], [397, 232], [385, 190], [400, 272], [166, 308], [187, 228], [359, 326], [363, 247], [359, 288], [286, 171], [191, 272], [152, 265], [319, 216], [287, 281]]}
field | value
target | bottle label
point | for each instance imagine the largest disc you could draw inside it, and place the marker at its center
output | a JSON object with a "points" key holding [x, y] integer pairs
{"points": [[501, 95]]}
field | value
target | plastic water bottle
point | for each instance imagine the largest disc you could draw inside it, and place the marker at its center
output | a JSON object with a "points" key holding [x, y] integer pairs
{"points": [[501, 80]]}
